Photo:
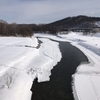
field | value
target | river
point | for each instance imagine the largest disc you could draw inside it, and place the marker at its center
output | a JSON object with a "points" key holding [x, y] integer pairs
{"points": [[59, 87]]}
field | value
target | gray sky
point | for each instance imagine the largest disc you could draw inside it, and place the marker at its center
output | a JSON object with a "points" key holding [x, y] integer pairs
{"points": [[46, 11]]}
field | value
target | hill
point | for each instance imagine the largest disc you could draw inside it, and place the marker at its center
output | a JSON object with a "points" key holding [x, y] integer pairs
{"points": [[77, 22]]}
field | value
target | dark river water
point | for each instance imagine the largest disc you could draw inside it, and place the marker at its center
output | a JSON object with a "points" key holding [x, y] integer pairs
{"points": [[59, 86]]}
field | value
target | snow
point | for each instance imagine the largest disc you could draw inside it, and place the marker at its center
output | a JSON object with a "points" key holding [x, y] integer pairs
{"points": [[49, 36], [86, 88], [49, 55], [19, 89], [97, 23], [18, 41], [15, 55], [21, 62]]}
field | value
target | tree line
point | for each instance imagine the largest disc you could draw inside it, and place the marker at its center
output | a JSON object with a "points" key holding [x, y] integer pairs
{"points": [[14, 29], [25, 30]]}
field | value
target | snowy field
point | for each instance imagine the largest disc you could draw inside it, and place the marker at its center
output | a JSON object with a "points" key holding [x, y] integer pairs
{"points": [[21, 62]]}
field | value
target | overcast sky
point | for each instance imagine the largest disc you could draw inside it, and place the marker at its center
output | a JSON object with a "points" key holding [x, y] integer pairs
{"points": [[46, 11]]}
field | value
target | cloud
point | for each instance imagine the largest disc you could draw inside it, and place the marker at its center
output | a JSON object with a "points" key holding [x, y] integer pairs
{"points": [[45, 11]]}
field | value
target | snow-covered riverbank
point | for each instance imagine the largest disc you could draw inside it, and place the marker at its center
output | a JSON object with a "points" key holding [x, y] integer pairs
{"points": [[21, 62]]}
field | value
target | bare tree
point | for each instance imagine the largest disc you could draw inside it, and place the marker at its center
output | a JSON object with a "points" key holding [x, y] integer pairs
{"points": [[12, 29], [3, 27]]}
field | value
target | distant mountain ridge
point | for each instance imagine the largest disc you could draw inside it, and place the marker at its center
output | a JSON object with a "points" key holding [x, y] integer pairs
{"points": [[80, 21]]}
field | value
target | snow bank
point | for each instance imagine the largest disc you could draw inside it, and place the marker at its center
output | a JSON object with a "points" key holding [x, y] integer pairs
{"points": [[18, 41], [19, 88], [12, 55], [49, 55], [96, 35], [15, 56], [54, 37], [86, 79], [87, 86]]}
